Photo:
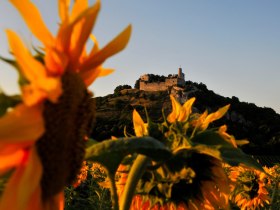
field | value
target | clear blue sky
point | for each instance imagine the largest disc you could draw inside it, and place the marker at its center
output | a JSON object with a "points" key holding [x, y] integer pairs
{"points": [[232, 46]]}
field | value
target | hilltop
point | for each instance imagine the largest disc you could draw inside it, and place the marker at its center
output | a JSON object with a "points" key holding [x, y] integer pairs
{"points": [[261, 126]]}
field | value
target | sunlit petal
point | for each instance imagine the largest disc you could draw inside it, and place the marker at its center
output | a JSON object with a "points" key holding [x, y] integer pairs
{"points": [[10, 160], [21, 124], [55, 61], [78, 8], [214, 116], [63, 6], [23, 183], [95, 47], [140, 128], [113, 47], [33, 19], [82, 31], [186, 110], [31, 68], [176, 107], [90, 76]]}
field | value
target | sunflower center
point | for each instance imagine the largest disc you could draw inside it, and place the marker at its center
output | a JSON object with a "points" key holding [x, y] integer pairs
{"points": [[62, 146]]}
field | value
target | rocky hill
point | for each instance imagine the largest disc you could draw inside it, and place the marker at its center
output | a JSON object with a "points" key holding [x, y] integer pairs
{"points": [[261, 126]]}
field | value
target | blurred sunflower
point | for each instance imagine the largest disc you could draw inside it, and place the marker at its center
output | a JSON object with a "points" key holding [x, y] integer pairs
{"points": [[193, 178], [248, 190], [42, 139]]}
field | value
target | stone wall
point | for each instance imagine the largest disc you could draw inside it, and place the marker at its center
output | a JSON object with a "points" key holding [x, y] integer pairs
{"points": [[155, 86]]}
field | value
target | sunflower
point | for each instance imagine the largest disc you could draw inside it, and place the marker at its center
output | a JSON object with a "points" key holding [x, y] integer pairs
{"points": [[248, 190], [42, 139], [192, 178]]}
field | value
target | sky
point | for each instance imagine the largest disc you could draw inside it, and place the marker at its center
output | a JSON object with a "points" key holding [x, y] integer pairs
{"points": [[232, 46]]}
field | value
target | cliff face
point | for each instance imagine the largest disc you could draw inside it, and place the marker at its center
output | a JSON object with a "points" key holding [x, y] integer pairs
{"points": [[261, 126]]}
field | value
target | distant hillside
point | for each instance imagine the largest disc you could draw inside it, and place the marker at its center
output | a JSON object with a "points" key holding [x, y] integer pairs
{"points": [[261, 126]]}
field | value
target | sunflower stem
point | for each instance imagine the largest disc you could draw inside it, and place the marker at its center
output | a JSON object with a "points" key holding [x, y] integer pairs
{"points": [[113, 189], [135, 173]]}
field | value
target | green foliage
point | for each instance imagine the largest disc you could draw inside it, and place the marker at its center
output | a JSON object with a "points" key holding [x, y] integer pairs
{"points": [[89, 195], [7, 102], [121, 87], [137, 84]]}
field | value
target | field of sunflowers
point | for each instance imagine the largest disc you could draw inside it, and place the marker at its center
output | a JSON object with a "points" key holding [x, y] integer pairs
{"points": [[48, 161]]}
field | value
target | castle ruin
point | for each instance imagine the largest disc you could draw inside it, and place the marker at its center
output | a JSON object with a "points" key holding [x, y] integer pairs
{"points": [[175, 80]]}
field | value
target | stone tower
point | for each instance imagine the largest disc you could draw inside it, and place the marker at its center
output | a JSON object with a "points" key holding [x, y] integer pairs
{"points": [[181, 75]]}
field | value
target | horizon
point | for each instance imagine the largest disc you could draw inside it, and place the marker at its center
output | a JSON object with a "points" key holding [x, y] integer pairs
{"points": [[232, 47]]}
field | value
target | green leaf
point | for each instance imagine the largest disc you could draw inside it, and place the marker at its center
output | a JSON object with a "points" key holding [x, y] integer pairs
{"points": [[22, 80], [8, 102], [210, 138], [236, 156], [91, 142], [110, 153], [230, 154]]}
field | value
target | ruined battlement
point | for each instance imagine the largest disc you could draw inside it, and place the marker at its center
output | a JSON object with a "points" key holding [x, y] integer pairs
{"points": [[169, 82]]}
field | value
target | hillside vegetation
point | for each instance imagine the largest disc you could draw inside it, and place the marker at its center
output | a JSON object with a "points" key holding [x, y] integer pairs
{"points": [[261, 126]]}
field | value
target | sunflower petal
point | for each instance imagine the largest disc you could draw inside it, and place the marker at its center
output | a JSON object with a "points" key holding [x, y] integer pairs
{"points": [[214, 116], [186, 110], [22, 124], [95, 47], [140, 128], [63, 6], [83, 29], [176, 107], [113, 47], [90, 76], [41, 85], [10, 160], [105, 72], [78, 8], [31, 68], [23, 183], [33, 19]]}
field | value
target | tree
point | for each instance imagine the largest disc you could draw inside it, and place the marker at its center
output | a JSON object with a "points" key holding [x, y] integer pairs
{"points": [[121, 87]]}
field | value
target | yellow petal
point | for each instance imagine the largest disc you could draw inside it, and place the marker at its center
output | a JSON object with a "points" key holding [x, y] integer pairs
{"points": [[11, 160], [79, 7], [140, 128], [21, 124], [188, 104], [56, 61], [82, 31], [10, 148], [186, 110], [176, 108], [63, 7], [31, 68], [214, 116], [113, 47], [105, 72], [35, 73], [90, 76], [33, 19], [95, 47], [46, 88], [23, 184]]}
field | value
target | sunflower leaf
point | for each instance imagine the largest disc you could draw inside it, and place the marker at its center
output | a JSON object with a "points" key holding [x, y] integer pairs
{"points": [[8, 102], [110, 153], [236, 156], [22, 80], [210, 138], [228, 153]]}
